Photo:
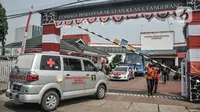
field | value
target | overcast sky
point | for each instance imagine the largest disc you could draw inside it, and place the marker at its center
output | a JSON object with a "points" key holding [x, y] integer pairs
{"points": [[129, 29]]}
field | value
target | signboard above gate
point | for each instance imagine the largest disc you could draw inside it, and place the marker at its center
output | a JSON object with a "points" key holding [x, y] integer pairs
{"points": [[117, 8], [163, 40], [117, 12]]}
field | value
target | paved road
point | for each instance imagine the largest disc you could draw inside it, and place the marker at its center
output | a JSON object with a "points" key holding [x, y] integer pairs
{"points": [[123, 96], [139, 86], [111, 103]]}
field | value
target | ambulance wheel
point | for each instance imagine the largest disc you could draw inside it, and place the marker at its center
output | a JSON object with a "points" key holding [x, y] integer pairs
{"points": [[101, 92], [50, 101]]}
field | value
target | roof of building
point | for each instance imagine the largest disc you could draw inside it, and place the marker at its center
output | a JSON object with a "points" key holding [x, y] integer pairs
{"points": [[84, 37], [13, 45], [76, 45], [74, 40], [160, 52]]}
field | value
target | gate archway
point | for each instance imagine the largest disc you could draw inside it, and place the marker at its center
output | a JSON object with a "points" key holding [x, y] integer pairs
{"points": [[117, 12]]}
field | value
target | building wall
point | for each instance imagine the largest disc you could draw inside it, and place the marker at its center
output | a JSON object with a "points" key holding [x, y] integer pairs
{"points": [[11, 51], [37, 31], [33, 31], [123, 50]]}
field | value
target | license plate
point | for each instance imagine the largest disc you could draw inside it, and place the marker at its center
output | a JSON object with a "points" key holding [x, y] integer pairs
{"points": [[116, 77], [16, 87]]}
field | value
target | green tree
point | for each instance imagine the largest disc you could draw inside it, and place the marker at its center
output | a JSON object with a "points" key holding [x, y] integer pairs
{"points": [[3, 27], [116, 59]]}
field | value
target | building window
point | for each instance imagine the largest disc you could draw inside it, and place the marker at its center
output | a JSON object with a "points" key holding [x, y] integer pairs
{"points": [[105, 49], [113, 49], [109, 49], [181, 49]]}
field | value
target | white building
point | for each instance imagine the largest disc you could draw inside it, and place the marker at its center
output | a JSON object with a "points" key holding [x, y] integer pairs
{"points": [[33, 31]]}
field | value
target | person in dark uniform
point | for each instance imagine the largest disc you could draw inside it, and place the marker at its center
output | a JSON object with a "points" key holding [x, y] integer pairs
{"points": [[157, 79], [168, 72], [164, 75]]}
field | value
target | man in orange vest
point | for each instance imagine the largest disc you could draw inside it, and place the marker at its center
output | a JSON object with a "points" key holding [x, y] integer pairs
{"points": [[150, 76]]}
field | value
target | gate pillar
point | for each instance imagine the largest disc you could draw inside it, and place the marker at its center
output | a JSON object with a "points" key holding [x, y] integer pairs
{"points": [[51, 34], [193, 57]]}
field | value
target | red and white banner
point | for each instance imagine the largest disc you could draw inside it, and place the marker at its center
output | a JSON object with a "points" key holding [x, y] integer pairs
{"points": [[163, 15]]}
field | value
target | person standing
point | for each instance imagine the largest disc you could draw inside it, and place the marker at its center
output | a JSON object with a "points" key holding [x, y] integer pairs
{"points": [[157, 79], [103, 67], [168, 73], [150, 78], [95, 62], [107, 68], [164, 75]]}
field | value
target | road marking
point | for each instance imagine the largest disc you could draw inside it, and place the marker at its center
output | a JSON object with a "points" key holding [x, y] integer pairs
{"points": [[170, 97], [178, 98], [142, 95]]}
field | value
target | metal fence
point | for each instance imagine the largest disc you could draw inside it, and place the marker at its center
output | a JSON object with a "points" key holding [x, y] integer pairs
{"points": [[5, 69]]}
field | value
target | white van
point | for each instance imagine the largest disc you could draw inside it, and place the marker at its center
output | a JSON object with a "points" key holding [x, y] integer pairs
{"points": [[47, 78]]}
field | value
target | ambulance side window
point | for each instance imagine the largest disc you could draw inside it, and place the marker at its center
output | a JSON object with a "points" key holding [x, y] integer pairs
{"points": [[89, 66], [72, 64], [66, 64], [50, 63]]}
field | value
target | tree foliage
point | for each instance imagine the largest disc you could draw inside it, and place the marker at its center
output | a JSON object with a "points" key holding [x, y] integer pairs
{"points": [[116, 59], [3, 27]]}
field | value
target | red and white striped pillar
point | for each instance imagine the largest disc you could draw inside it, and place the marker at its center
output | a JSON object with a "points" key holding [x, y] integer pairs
{"points": [[51, 39], [193, 57]]}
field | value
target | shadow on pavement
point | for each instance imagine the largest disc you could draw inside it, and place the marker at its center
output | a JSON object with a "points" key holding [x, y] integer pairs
{"points": [[74, 101], [12, 106]]}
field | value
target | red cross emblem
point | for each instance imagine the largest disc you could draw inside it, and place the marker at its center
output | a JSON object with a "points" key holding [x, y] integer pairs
{"points": [[50, 63]]}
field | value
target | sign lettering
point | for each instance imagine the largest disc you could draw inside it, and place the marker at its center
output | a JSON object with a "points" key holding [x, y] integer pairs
{"points": [[77, 80], [114, 9]]}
